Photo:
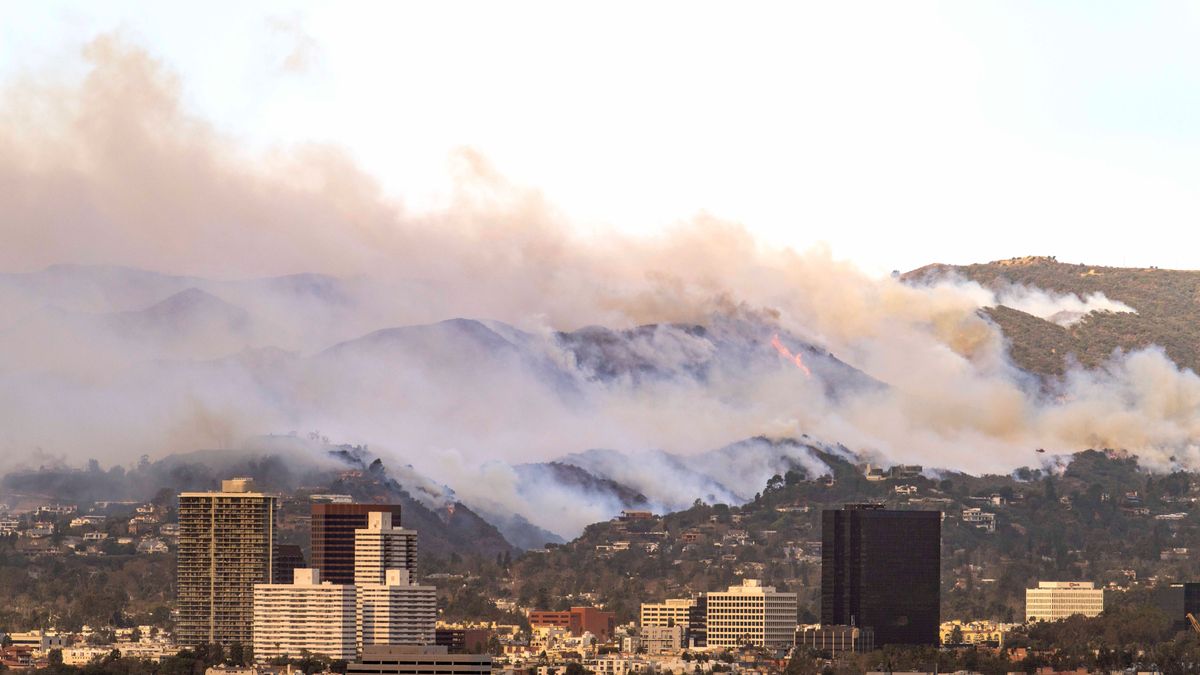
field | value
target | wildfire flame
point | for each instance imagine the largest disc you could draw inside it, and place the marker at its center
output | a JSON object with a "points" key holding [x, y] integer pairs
{"points": [[787, 354]]}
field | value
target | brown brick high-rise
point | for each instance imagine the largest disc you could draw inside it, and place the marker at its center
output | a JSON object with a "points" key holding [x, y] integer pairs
{"points": [[333, 527]]}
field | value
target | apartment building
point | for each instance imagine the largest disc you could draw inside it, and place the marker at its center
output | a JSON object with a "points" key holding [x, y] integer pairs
{"points": [[226, 546], [380, 546], [304, 616], [395, 612]]}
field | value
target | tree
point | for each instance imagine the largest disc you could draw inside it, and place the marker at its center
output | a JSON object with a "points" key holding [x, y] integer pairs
{"points": [[237, 655], [55, 657]]}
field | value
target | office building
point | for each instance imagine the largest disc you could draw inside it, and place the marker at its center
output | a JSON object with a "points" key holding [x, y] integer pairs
{"points": [[697, 635], [396, 612], [288, 559], [577, 621], [1177, 601], [881, 569], [226, 546], [379, 547], [333, 527], [305, 616], [836, 639], [751, 614], [1054, 600], [670, 612], [414, 660]]}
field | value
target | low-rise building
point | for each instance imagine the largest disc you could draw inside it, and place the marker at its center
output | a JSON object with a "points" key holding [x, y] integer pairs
{"points": [[836, 639], [1054, 600], [974, 632], [418, 660], [577, 621], [616, 665], [980, 519], [664, 639]]}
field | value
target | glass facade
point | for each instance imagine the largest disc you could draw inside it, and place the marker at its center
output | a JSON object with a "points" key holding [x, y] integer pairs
{"points": [[881, 569], [333, 527]]}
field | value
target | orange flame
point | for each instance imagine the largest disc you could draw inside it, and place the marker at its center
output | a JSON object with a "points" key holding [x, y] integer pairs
{"points": [[787, 354]]}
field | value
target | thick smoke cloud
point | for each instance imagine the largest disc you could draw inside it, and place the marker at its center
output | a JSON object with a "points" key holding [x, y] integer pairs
{"points": [[109, 363]]}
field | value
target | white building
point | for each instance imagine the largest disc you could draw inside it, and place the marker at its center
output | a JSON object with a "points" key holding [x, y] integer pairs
{"points": [[980, 519], [305, 615], [670, 612], [751, 614], [380, 547], [396, 612], [383, 607], [1054, 600]]}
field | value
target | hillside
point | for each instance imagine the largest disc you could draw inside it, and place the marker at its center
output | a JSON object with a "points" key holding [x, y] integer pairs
{"points": [[1094, 521], [1167, 304]]}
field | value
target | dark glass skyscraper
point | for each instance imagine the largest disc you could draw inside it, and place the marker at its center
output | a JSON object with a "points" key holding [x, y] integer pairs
{"points": [[881, 569], [333, 527]]}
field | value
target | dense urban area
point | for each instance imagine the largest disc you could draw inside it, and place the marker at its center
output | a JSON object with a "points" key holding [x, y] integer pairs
{"points": [[866, 569]]}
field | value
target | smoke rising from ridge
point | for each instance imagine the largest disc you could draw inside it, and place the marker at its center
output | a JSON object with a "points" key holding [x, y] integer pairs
{"points": [[112, 363]]}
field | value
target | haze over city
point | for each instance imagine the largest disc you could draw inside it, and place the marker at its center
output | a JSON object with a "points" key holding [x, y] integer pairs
{"points": [[620, 308]]}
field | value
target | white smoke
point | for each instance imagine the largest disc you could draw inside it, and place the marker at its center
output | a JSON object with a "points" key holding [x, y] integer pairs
{"points": [[112, 363]]}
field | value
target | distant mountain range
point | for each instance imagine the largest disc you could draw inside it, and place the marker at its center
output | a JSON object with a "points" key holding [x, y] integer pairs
{"points": [[523, 436]]}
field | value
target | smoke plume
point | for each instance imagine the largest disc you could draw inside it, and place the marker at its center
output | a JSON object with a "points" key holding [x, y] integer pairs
{"points": [[287, 291]]}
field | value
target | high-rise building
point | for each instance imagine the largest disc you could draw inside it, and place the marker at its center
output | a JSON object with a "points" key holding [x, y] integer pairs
{"points": [[226, 546], [305, 616], [288, 558], [1054, 600], [751, 614], [412, 660], [881, 569], [333, 527], [379, 547], [697, 635], [395, 612], [1179, 600]]}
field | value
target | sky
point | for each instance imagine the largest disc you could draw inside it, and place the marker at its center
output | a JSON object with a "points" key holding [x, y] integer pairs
{"points": [[896, 134]]}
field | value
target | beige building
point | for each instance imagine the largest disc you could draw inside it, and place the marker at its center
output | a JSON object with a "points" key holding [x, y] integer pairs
{"points": [[396, 612], [380, 547], [413, 660], [226, 546], [1054, 600], [304, 616], [664, 639], [670, 612], [751, 614]]}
